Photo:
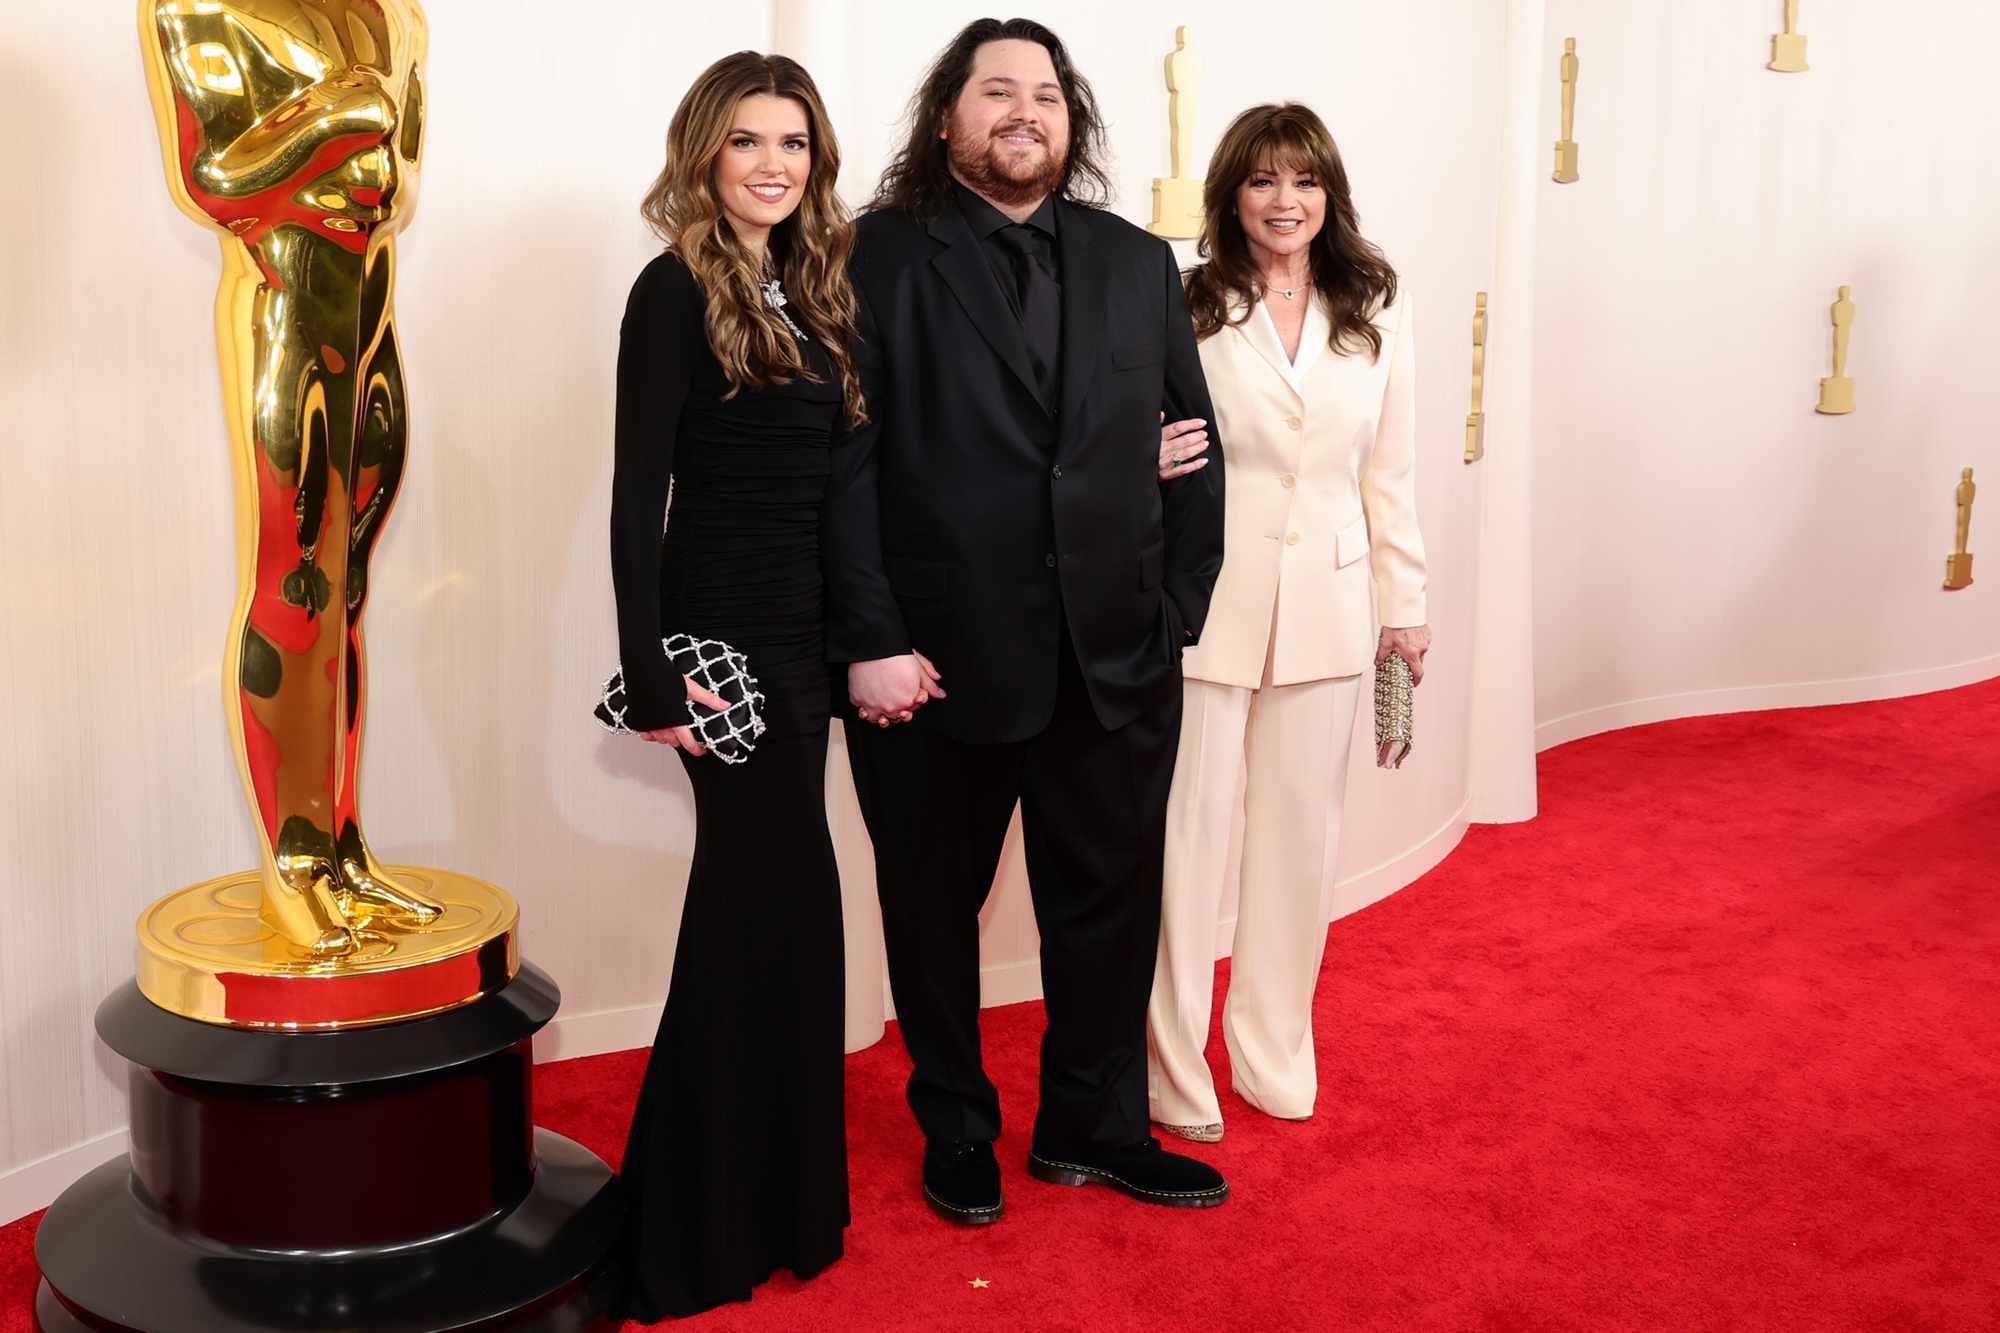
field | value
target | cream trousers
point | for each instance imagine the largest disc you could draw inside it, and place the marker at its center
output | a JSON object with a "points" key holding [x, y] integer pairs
{"points": [[1287, 747]]}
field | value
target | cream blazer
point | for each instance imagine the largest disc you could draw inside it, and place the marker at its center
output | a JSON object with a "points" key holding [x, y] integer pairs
{"points": [[1322, 473]]}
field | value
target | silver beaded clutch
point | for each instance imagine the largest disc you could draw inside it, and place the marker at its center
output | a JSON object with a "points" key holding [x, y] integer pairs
{"points": [[730, 735], [1395, 710]]}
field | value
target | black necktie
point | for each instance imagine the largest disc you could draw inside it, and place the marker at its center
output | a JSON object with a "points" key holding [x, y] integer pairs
{"points": [[1041, 305]]}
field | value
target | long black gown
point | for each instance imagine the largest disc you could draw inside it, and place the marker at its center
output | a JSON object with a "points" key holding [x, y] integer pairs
{"points": [[737, 1160]]}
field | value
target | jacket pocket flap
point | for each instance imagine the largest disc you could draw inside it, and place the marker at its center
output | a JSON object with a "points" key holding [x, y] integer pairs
{"points": [[1351, 543]]}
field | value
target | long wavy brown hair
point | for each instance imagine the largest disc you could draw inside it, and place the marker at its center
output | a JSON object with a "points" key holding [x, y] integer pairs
{"points": [[808, 250], [1348, 271], [918, 178]]}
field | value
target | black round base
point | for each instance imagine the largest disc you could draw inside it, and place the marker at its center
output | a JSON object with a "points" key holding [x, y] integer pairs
{"points": [[530, 1268], [389, 1184]]}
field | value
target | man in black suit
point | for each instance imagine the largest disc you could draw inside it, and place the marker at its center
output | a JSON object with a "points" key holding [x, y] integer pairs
{"points": [[1003, 512]]}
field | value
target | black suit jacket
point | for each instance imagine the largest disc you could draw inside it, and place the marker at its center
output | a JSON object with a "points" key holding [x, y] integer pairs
{"points": [[968, 518]]}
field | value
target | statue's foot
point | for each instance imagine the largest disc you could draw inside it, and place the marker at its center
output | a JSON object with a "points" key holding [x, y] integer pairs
{"points": [[370, 889], [336, 943], [302, 908], [368, 892]]}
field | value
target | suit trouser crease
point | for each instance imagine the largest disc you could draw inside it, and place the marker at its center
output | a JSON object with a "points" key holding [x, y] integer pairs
{"points": [[1093, 808], [1287, 746]]}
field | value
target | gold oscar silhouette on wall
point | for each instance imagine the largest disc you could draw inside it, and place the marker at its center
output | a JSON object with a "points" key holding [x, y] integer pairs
{"points": [[1788, 48], [292, 130], [1836, 392], [1958, 565], [1475, 421], [1566, 146], [1177, 198]]}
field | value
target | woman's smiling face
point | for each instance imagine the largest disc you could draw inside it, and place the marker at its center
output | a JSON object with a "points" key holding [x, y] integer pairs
{"points": [[766, 158]]}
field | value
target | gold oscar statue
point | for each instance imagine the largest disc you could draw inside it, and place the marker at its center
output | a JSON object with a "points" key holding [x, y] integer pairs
{"points": [[1788, 48], [1566, 146], [1475, 421], [1958, 566], [293, 130], [1836, 392], [1177, 198]]}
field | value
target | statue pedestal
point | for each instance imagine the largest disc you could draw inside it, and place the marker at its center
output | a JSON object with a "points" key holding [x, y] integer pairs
{"points": [[205, 953], [1836, 395], [1566, 162], [1788, 53], [371, 1179], [1176, 208], [1475, 437], [1957, 572]]}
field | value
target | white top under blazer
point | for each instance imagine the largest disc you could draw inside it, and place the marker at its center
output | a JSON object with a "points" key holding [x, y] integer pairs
{"points": [[1322, 472]]}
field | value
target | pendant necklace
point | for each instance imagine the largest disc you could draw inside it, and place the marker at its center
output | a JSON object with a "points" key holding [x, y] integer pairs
{"points": [[774, 296]]}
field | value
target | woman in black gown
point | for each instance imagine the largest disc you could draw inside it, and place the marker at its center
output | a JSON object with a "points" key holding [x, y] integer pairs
{"points": [[734, 371]]}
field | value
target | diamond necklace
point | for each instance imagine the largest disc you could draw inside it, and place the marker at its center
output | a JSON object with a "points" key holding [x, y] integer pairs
{"points": [[774, 296]]}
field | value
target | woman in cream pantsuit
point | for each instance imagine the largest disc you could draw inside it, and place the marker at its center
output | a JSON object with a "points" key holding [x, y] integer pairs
{"points": [[1310, 360]]}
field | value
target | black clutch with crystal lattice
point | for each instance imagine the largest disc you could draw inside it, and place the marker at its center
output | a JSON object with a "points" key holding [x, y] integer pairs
{"points": [[730, 734]]}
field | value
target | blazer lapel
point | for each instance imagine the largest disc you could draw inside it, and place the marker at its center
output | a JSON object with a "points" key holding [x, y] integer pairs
{"points": [[1085, 289], [966, 272], [1261, 332]]}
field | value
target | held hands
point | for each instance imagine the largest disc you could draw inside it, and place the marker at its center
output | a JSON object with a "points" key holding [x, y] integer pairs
{"points": [[683, 738], [1181, 441], [1410, 645], [891, 689]]}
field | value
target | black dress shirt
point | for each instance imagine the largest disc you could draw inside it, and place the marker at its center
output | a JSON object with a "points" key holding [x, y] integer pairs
{"points": [[987, 222], [1009, 247]]}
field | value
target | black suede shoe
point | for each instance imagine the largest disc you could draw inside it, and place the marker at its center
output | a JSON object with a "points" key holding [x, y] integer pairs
{"points": [[962, 1183], [1145, 1171]]}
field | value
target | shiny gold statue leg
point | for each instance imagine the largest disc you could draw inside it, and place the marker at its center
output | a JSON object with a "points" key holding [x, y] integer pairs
{"points": [[294, 675], [299, 900], [380, 444], [282, 668]]}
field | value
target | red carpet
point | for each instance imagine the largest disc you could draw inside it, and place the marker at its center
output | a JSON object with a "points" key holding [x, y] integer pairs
{"points": [[1712, 1044]]}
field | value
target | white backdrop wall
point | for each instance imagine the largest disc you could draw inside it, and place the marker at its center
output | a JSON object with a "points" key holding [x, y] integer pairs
{"points": [[1703, 540], [491, 617]]}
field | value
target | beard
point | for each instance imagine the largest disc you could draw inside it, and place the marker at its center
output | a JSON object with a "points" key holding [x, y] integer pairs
{"points": [[1003, 174]]}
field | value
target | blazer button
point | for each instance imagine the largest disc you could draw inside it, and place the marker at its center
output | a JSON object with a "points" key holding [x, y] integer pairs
{"points": [[1056, 472], [1049, 560], [1288, 481], [1296, 423], [1291, 539]]}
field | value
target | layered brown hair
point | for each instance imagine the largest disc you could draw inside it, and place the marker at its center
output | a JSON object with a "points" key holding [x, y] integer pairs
{"points": [[809, 250], [1348, 271], [918, 178]]}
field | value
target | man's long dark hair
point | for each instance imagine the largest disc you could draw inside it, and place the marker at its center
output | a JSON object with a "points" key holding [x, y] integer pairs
{"points": [[918, 179]]}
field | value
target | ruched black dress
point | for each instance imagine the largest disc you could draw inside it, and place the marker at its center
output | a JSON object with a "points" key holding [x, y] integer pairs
{"points": [[737, 1160]]}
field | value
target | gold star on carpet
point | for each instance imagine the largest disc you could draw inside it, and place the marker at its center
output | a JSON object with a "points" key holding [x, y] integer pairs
{"points": [[981, 1283]]}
